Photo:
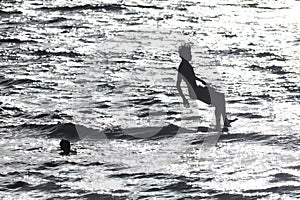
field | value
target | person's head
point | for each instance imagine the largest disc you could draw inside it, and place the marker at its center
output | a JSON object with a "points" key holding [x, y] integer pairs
{"points": [[185, 52], [65, 146]]}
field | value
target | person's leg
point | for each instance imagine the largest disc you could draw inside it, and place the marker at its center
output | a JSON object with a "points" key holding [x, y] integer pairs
{"points": [[211, 96], [218, 101], [218, 118], [223, 106]]}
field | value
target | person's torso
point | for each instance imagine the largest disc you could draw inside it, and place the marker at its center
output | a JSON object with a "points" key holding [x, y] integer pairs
{"points": [[187, 71]]}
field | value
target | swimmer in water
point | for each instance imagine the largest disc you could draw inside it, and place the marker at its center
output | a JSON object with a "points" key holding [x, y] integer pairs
{"points": [[65, 146]]}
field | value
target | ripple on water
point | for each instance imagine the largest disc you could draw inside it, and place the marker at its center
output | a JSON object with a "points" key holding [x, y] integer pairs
{"points": [[107, 7]]}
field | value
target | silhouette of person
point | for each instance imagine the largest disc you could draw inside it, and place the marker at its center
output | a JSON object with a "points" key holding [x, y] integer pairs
{"points": [[65, 146], [202, 92]]}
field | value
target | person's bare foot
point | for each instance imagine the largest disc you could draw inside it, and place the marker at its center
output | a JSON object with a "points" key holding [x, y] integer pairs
{"points": [[228, 122]]}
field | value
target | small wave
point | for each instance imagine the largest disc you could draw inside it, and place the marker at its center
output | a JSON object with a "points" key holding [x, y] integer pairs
{"points": [[64, 54], [145, 102], [265, 54], [256, 67], [145, 6], [297, 167], [227, 35], [272, 8], [8, 82], [297, 41], [277, 189], [106, 86], [66, 130], [179, 186], [180, 7], [230, 35], [233, 101], [101, 196], [54, 115], [15, 40], [238, 137], [127, 175], [55, 20], [91, 164], [49, 186], [255, 5], [17, 184], [10, 12], [245, 5], [12, 112], [275, 69], [110, 7], [272, 56], [16, 109], [38, 127], [75, 132], [53, 164], [292, 88], [142, 175], [52, 186], [143, 132], [232, 51], [250, 115], [21, 173], [230, 196], [176, 187], [283, 177]]}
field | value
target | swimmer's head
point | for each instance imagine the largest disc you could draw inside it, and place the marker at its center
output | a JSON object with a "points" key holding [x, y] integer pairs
{"points": [[185, 52], [65, 146]]}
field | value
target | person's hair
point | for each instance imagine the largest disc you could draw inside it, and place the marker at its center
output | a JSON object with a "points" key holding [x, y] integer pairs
{"points": [[65, 145], [184, 49]]}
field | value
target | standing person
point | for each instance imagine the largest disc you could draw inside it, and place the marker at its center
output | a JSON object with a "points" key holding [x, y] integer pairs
{"points": [[202, 92]]}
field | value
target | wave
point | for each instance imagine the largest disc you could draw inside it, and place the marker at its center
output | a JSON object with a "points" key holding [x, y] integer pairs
{"points": [[8, 82], [64, 54], [10, 12], [54, 185], [271, 56], [232, 51], [250, 116], [15, 40], [110, 7], [56, 20], [17, 184], [145, 6], [276, 189], [279, 177], [75, 132], [275, 69], [255, 5], [238, 137], [145, 102], [177, 187]]}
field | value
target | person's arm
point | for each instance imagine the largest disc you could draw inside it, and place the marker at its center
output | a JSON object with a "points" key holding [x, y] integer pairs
{"points": [[178, 85]]}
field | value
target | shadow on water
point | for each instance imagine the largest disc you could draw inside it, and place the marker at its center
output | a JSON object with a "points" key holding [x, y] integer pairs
{"points": [[76, 132]]}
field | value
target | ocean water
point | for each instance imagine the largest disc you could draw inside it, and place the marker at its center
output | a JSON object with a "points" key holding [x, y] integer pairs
{"points": [[103, 75]]}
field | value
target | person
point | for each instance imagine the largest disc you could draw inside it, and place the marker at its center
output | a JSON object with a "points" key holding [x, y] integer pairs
{"points": [[202, 92], [65, 146]]}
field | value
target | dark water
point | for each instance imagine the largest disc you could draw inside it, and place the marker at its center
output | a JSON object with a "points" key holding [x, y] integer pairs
{"points": [[108, 70]]}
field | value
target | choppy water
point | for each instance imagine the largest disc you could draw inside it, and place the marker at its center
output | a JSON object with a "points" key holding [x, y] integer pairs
{"points": [[108, 66]]}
